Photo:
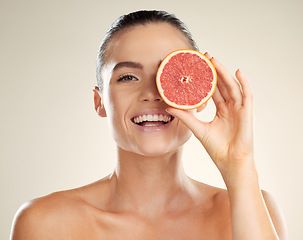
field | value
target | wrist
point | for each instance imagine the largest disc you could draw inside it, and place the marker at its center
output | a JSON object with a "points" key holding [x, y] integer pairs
{"points": [[242, 175]]}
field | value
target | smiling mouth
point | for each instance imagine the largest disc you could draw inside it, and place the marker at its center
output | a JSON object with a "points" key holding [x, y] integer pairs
{"points": [[152, 120]]}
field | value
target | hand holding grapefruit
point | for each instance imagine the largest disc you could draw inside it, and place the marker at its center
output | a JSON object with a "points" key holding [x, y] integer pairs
{"points": [[186, 79], [228, 138]]}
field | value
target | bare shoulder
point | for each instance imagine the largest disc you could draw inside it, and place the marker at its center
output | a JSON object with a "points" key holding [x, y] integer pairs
{"points": [[43, 217], [215, 195], [275, 215], [215, 214], [219, 200], [60, 215]]}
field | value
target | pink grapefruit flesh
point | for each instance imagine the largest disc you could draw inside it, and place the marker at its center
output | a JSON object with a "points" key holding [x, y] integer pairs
{"points": [[186, 79]]}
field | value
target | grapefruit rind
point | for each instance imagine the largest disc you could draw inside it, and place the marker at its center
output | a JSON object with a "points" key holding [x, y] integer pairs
{"points": [[161, 90]]}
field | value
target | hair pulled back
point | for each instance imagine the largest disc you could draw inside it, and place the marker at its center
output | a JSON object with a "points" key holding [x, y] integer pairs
{"points": [[141, 17]]}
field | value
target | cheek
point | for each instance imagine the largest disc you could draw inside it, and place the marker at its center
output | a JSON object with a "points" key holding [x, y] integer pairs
{"points": [[116, 106], [113, 102]]}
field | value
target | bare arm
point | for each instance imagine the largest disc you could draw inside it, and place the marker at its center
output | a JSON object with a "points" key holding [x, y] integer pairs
{"points": [[228, 139]]}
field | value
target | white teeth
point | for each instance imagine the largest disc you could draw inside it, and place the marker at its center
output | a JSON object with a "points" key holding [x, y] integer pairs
{"points": [[152, 118]]}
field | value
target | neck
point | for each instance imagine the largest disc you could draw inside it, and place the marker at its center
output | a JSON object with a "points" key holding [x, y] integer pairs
{"points": [[150, 185]]}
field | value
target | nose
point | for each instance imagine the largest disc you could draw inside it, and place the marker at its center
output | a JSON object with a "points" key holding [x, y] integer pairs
{"points": [[150, 91]]}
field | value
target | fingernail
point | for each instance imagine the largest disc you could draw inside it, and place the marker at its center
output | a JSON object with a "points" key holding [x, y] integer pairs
{"points": [[207, 55]]}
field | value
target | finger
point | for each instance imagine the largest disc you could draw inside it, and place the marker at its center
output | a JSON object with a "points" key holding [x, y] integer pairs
{"points": [[217, 97], [227, 84], [206, 54], [246, 90], [223, 89], [189, 120], [220, 84]]}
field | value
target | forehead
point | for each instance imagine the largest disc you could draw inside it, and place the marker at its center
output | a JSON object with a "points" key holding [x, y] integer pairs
{"points": [[143, 42]]}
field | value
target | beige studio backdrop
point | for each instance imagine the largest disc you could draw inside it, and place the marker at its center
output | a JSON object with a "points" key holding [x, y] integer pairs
{"points": [[51, 138]]}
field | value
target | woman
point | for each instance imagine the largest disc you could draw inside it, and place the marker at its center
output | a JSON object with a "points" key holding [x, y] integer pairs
{"points": [[148, 196]]}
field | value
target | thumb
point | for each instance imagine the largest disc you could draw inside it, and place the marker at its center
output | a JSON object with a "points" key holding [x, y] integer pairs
{"points": [[189, 120]]}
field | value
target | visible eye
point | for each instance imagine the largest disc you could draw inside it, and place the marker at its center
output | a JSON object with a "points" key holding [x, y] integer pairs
{"points": [[127, 78]]}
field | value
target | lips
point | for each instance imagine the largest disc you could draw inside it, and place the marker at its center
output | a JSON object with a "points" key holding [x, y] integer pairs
{"points": [[152, 119]]}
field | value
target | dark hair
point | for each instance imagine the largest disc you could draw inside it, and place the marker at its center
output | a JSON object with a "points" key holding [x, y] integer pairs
{"points": [[133, 19]]}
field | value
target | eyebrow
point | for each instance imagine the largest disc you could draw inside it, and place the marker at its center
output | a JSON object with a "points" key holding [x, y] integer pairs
{"points": [[128, 64]]}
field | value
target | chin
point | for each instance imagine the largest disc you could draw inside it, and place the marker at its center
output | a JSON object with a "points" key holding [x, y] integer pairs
{"points": [[156, 152], [158, 149], [154, 145]]}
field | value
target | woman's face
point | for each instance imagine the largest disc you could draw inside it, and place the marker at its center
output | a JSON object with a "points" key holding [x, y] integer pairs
{"points": [[130, 93]]}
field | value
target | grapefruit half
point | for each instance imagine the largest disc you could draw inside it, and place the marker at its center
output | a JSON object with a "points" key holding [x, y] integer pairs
{"points": [[186, 79]]}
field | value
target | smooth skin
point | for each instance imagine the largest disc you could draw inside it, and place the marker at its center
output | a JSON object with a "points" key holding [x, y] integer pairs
{"points": [[148, 196]]}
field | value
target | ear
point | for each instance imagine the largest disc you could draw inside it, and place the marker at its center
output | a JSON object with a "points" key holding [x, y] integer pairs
{"points": [[99, 107], [199, 109]]}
